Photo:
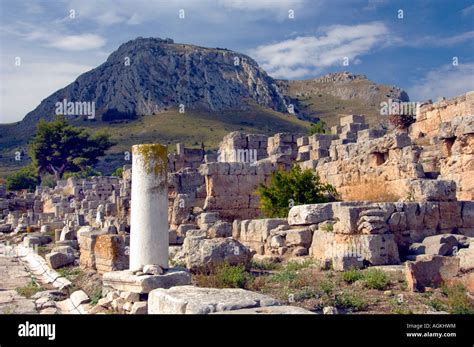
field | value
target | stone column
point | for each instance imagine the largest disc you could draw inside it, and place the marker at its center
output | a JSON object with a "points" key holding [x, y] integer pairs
{"points": [[149, 206]]}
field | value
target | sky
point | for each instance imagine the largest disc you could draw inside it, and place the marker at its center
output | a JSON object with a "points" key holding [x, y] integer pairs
{"points": [[424, 47]]}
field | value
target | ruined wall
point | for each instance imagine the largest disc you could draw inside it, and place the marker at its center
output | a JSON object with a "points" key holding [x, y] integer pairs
{"points": [[430, 116], [456, 162], [363, 164], [230, 187]]}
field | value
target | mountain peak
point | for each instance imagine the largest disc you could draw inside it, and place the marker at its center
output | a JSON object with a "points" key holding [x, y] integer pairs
{"points": [[148, 75]]}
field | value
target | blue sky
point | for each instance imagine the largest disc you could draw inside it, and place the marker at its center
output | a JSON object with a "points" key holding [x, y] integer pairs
{"points": [[415, 52]]}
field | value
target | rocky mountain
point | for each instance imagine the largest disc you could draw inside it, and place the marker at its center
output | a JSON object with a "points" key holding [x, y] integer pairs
{"points": [[138, 90], [149, 75]]}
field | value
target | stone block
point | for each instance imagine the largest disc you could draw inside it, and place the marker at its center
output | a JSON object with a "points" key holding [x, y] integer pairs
{"points": [[195, 300]]}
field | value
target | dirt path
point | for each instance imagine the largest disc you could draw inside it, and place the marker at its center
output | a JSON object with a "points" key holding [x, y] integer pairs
{"points": [[12, 275]]}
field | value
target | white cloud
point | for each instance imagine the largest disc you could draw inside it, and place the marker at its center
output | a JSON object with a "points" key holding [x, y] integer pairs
{"points": [[437, 41], [23, 87], [468, 10], [297, 57], [447, 81], [76, 42], [256, 5]]}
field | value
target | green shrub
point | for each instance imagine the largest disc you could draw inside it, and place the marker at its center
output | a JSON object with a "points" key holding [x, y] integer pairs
{"points": [[286, 276], [87, 172], [25, 178], [376, 279], [327, 287], [318, 128], [458, 301], [295, 187], [118, 172], [305, 293], [352, 275], [437, 305], [232, 276], [351, 302]]}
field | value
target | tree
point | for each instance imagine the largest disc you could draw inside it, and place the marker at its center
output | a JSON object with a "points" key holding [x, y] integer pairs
{"points": [[25, 178], [59, 147], [118, 172], [295, 187], [318, 128]]}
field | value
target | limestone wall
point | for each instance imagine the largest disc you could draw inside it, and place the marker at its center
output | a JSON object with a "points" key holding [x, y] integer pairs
{"points": [[430, 116], [230, 187], [457, 154]]}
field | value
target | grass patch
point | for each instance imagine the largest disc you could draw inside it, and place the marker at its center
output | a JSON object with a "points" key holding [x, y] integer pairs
{"points": [[352, 302], [352, 275], [296, 266], [437, 305], [458, 301], [30, 289], [70, 272], [327, 287], [96, 296], [376, 279], [224, 276], [265, 265]]}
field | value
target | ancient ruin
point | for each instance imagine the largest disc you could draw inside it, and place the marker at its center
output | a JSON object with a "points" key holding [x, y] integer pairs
{"points": [[406, 204]]}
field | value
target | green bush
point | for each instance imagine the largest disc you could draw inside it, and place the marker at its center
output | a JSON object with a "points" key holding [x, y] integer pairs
{"points": [[118, 172], [232, 276], [458, 301], [352, 275], [376, 279], [350, 302], [25, 178], [318, 128], [327, 287], [85, 173], [295, 187]]}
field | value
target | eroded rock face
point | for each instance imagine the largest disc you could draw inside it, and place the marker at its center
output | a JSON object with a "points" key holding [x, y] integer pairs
{"points": [[195, 300], [164, 74], [203, 254]]}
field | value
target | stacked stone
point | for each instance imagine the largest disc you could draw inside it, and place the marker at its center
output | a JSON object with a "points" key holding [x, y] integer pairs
{"points": [[273, 237], [283, 149], [185, 158], [349, 127], [110, 252], [230, 187], [241, 147]]}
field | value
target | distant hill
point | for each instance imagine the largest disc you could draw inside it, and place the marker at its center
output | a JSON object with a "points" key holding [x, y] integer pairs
{"points": [[339, 93]]}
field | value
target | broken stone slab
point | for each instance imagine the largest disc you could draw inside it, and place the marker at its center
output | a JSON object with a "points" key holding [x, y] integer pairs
{"points": [[204, 254], [128, 282], [56, 260], [310, 214], [140, 307], [430, 271], [443, 244], [269, 310], [220, 229], [196, 300], [466, 259], [79, 297]]}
